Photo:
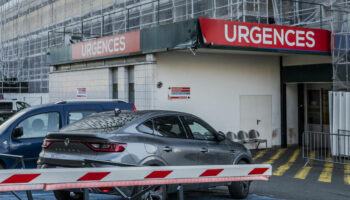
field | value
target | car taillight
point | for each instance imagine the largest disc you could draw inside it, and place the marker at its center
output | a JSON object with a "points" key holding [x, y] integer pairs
{"points": [[47, 143], [106, 189], [133, 106], [106, 147]]}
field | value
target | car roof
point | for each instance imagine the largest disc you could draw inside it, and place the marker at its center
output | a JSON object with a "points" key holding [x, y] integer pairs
{"points": [[156, 112]]}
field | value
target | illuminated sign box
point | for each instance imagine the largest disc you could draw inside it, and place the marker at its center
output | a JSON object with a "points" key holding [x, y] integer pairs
{"points": [[243, 34]]}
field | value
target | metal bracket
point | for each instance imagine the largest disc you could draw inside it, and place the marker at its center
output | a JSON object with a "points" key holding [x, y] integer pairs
{"points": [[180, 192], [18, 159]]}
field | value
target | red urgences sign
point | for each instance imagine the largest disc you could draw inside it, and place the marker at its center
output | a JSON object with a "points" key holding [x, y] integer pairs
{"points": [[243, 34], [112, 45]]}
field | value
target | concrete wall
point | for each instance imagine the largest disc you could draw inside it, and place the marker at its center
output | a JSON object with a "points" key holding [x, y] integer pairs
{"points": [[217, 82], [292, 113], [145, 86], [64, 86]]}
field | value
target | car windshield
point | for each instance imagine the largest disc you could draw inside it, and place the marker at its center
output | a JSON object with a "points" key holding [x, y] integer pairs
{"points": [[9, 121], [104, 122]]}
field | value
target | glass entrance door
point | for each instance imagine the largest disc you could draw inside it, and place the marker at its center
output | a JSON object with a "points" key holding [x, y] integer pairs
{"points": [[317, 110]]}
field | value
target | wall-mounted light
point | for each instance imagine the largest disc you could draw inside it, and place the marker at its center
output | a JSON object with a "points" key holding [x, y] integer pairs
{"points": [[159, 84]]}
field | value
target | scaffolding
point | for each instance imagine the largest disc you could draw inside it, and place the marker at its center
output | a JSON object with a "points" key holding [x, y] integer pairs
{"points": [[29, 27], [341, 44]]}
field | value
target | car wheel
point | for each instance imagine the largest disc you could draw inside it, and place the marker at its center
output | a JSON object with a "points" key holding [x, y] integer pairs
{"points": [[67, 195], [239, 189]]}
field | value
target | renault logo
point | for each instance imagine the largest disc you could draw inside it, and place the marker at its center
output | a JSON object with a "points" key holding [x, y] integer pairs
{"points": [[66, 142]]}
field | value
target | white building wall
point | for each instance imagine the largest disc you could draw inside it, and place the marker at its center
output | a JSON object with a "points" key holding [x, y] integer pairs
{"points": [[145, 86], [217, 81], [292, 113], [64, 85], [123, 81]]}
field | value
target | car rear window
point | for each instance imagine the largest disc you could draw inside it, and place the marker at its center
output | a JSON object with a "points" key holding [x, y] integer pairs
{"points": [[105, 122], [6, 106]]}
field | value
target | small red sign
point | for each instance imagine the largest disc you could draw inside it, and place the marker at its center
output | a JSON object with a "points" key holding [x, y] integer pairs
{"points": [[112, 45], [243, 34], [81, 92], [179, 92]]}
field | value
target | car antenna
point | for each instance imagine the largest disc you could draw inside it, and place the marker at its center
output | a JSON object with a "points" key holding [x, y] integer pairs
{"points": [[117, 111]]}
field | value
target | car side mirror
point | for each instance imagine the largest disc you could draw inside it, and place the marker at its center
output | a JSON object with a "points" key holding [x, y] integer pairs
{"points": [[221, 136], [17, 132]]}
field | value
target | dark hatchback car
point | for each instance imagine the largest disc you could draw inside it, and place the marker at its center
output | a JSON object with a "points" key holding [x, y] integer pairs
{"points": [[152, 138]]}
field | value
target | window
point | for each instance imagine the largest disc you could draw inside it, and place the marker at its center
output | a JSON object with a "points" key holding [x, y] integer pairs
{"points": [[104, 122], [6, 106], [199, 129], [313, 107], [169, 126], [39, 125], [21, 105], [78, 115], [146, 127]]}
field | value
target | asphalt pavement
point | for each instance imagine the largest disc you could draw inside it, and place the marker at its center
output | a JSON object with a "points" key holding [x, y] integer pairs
{"points": [[216, 194], [291, 180]]}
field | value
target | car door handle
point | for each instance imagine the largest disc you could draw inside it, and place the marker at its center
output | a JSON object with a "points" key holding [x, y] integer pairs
{"points": [[204, 150], [167, 149]]}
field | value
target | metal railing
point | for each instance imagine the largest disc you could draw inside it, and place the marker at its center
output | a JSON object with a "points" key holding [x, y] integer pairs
{"points": [[327, 147]]}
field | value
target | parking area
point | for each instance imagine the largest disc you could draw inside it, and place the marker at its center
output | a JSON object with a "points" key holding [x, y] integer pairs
{"points": [[214, 194], [291, 180]]}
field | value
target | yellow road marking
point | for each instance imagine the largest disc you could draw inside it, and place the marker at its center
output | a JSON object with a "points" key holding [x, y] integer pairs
{"points": [[347, 173], [276, 156], [302, 174], [283, 168], [326, 174], [259, 155]]}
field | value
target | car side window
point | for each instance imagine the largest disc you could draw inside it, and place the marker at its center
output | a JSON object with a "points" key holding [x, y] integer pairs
{"points": [[78, 115], [169, 126], [21, 105], [199, 129], [146, 127], [39, 125]]}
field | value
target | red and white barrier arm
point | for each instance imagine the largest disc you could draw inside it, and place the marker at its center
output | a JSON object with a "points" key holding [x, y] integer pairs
{"points": [[69, 178]]}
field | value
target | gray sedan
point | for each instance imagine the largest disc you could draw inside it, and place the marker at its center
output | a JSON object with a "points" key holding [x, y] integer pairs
{"points": [[152, 138]]}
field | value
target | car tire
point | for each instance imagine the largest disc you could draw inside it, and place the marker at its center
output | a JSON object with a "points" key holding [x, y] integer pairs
{"points": [[158, 193], [239, 189], [67, 195]]}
